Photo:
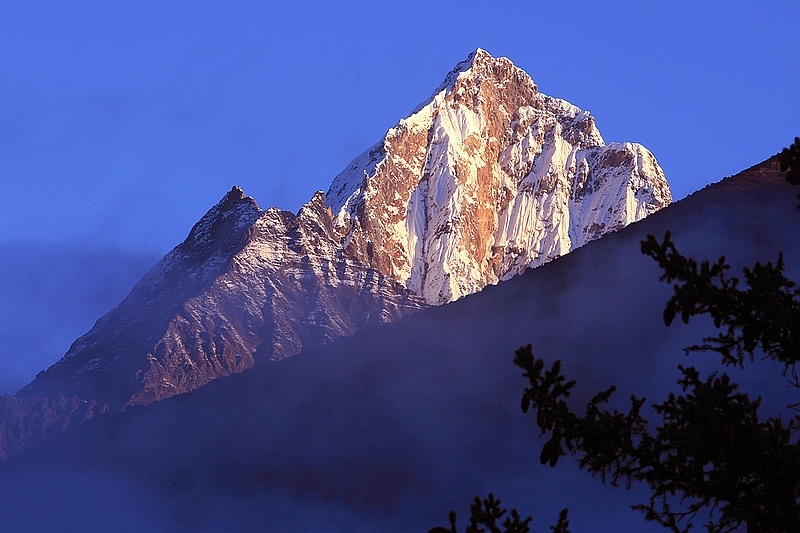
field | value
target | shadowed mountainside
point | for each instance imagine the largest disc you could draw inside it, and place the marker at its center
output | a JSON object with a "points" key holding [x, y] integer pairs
{"points": [[389, 429]]}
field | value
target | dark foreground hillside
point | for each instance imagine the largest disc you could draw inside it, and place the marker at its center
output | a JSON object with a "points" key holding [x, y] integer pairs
{"points": [[390, 429]]}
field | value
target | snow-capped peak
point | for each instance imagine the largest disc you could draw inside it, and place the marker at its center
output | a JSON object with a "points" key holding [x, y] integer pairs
{"points": [[485, 179]]}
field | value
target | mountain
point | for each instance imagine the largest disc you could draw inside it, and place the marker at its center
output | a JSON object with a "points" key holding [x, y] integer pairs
{"points": [[390, 428], [246, 284], [486, 179]]}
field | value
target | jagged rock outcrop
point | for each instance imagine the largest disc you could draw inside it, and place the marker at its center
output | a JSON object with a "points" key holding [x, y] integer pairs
{"points": [[488, 178], [245, 285]]}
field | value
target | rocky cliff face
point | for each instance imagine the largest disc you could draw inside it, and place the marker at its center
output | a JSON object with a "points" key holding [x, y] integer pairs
{"points": [[245, 285], [488, 178]]}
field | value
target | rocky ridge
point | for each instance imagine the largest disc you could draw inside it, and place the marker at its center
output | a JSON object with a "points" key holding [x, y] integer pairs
{"points": [[245, 285]]}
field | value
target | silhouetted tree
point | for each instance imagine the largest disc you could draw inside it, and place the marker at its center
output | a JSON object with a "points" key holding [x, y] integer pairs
{"points": [[789, 159], [711, 457], [485, 516]]}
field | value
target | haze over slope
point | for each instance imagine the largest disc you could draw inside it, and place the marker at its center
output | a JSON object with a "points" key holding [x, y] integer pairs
{"points": [[389, 429]]}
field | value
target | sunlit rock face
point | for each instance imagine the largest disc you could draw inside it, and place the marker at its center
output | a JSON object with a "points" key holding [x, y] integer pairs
{"points": [[245, 285], [488, 178]]}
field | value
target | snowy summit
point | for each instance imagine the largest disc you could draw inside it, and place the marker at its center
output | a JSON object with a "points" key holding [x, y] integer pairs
{"points": [[487, 178]]}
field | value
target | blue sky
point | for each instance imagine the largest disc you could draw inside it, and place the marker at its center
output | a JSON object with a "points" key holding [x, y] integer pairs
{"points": [[121, 123]]}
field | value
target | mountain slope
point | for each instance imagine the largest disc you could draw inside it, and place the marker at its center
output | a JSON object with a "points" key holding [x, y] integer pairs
{"points": [[390, 428], [245, 284]]}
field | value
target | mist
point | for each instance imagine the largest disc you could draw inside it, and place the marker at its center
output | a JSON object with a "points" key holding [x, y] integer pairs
{"points": [[54, 294]]}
